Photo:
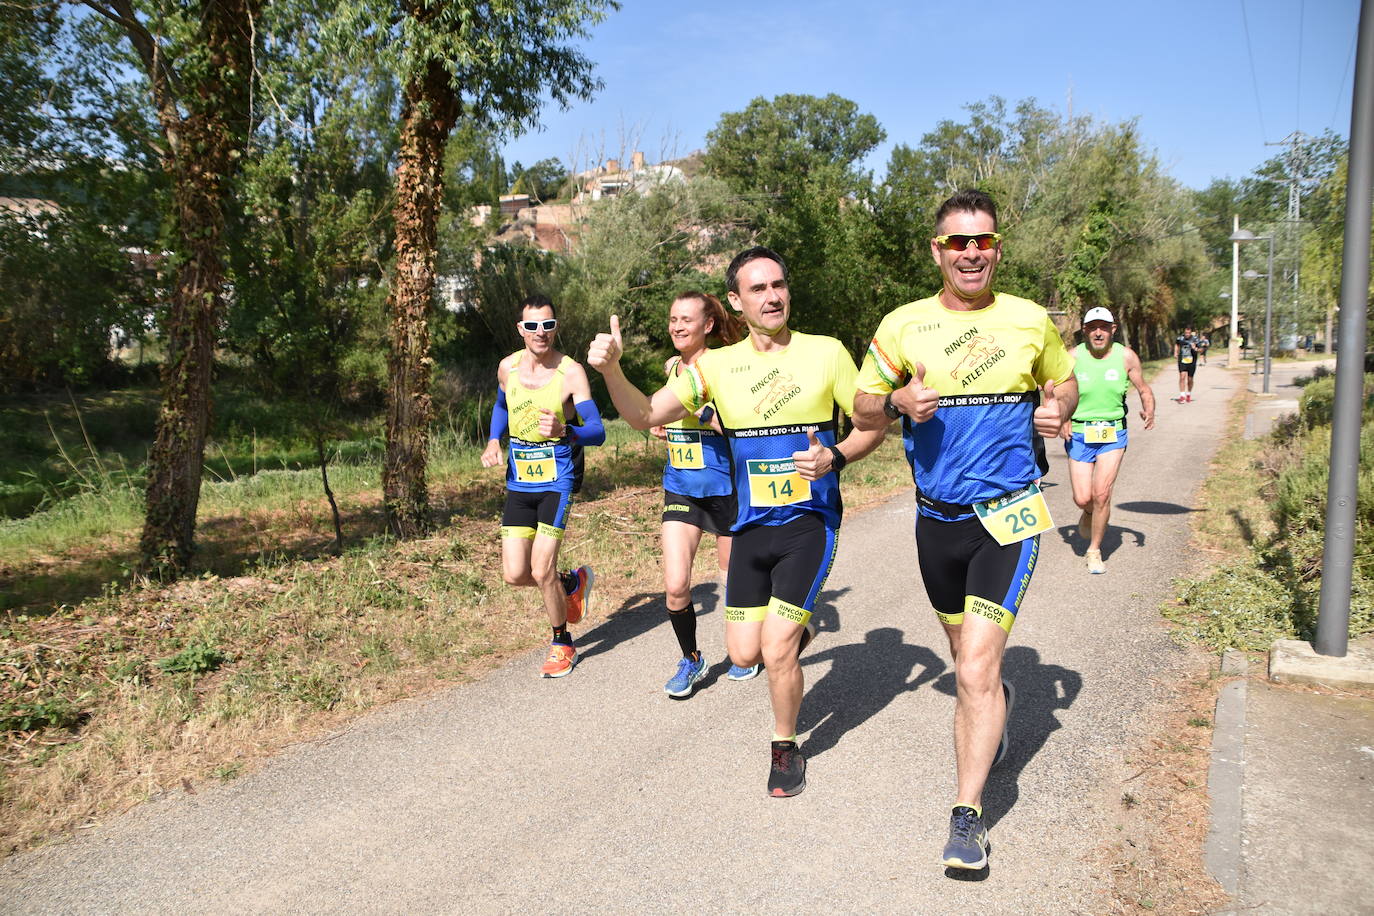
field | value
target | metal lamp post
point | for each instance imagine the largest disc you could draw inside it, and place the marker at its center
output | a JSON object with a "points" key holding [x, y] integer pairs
{"points": [[1245, 235]]}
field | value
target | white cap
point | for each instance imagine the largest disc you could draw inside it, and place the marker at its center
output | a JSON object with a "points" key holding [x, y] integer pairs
{"points": [[1098, 313]]}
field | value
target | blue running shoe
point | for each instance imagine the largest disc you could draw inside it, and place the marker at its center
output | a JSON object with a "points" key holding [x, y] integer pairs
{"points": [[689, 671], [968, 840], [736, 673]]}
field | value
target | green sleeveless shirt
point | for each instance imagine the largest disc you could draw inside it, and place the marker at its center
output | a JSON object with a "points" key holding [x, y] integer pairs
{"points": [[1102, 385]]}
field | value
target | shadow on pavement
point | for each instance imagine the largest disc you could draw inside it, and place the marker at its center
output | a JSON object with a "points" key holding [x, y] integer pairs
{"points": [[863, 679], [1151, 507], [1112, 539], [1041, 690]]}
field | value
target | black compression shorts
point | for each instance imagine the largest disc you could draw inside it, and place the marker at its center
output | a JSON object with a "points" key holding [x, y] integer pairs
{"points": [[539, 512], [966, 571], [715, 514], [779, 569]]}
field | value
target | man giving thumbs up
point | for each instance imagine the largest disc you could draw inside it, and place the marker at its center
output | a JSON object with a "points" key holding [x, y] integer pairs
{"points": [[974, 376], [775, 394]]}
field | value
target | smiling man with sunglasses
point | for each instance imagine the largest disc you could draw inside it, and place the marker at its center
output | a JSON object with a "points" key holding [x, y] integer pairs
{"points": [[545, 402], [973, 375]]}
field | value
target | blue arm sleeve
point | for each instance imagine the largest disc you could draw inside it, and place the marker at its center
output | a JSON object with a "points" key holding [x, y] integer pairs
{"points": [[500, 419], [591, 432]]}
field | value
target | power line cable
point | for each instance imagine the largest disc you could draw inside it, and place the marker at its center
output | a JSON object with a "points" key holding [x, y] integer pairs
{"points": [[1297, 105], [1254, 80], [1340, 88]]}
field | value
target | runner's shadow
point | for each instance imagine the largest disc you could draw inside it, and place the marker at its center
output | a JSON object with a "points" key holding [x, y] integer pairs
{"points": [[863, 679], [637, 616], [1111, 540], [1041, 690], [824, 613], [1153, 507]]}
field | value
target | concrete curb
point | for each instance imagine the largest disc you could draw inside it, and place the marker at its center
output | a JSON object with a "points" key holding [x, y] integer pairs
{"points": [[1226, 778]]}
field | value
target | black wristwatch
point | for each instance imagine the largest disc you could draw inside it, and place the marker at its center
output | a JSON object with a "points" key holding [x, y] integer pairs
{"points": [[837, 459], [890, 408]]}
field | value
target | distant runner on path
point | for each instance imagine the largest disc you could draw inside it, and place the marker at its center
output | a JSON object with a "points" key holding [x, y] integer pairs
{"points": [[1186, 350], [698, 492], [545, 401], [1096, 440], [776, 394], [963, 370]]}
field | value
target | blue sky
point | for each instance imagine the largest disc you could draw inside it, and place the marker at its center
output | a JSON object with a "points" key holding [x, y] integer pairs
{"points": [[1183, 69]]}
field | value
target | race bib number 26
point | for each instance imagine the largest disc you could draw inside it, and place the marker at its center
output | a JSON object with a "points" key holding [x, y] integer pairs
{"points": [[1016, 516]]}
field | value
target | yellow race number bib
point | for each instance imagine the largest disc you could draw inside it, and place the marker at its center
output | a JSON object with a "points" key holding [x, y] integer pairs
{"points": [[1099, 433], [775, 482], [1016, 516], [684, 449], [534, 465]]}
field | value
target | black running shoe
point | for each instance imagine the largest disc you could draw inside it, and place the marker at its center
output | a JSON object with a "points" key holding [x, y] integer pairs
{"points": [[968, 840], [787, 777]]}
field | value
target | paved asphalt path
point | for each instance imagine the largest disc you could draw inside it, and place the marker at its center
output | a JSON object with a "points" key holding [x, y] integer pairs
{"points": [[599, 793]]}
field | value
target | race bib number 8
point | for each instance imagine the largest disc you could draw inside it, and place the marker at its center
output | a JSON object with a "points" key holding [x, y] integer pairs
{"points": [[1016, 516], [534, 465], [684, 449], [1099, 433], [776, 483]]}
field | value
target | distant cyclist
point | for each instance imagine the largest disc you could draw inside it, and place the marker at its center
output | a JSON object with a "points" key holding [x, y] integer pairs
{"points": [[698, 492], [1097, 437], [545, 402]]}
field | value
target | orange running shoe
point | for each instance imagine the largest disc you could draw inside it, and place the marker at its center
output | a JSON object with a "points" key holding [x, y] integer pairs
{"points": [[580, 598], [560, 661]]}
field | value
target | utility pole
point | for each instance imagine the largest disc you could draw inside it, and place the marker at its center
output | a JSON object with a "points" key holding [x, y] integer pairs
{"points": [[1297, 161]]}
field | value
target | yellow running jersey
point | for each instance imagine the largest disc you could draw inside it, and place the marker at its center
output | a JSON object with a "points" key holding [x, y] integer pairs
{"points": [[536, 462], [767, 402]]}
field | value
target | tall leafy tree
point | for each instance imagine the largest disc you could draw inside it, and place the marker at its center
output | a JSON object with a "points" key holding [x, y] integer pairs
{"points": [[480, 62], [196, 57]]}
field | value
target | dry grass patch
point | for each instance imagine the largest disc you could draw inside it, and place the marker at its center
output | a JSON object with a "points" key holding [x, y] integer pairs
{"points": [[140, 691]]}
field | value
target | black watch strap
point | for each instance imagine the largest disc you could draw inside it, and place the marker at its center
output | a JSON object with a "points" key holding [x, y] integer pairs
{"points": [[889, 408], [837, 459]]}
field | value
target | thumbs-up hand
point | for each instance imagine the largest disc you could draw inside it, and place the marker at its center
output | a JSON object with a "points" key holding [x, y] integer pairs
{"points": [[814, 463], [550, 427], [1049, 418], [604, 353], [915, 399]]}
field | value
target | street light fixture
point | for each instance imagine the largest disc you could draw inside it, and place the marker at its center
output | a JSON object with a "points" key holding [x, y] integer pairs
{"points": [[1245, 235]]}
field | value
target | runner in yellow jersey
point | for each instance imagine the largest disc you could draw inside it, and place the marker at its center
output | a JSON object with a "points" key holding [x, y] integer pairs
{"points": [[776, 394], [974, 375], [545, 402], [1097, 436]]}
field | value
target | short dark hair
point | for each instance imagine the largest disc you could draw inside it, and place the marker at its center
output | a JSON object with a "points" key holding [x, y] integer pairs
{"points": [[969, 200], [744, 257], [538, 301]]}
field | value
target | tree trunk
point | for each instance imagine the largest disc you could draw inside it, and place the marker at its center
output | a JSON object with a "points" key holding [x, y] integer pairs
{"points": [[203, 148], [429, 111]]}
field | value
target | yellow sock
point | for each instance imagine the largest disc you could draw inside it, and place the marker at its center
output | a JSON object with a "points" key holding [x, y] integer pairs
{"points": [[977, 809], [777, 737]]}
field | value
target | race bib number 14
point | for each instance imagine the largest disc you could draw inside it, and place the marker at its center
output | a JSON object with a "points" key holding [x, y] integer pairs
{"points": [[776, 483], [1016, 516]]}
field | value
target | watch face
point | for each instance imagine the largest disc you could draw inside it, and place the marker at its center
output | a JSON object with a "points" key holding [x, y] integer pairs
{"points": [[890, 408]]}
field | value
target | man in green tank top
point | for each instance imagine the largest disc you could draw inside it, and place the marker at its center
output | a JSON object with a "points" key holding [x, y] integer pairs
{"points": [[1097, 433]]}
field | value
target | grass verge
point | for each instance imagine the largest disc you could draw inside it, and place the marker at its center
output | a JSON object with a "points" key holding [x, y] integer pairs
{"points": [[137, 690]]}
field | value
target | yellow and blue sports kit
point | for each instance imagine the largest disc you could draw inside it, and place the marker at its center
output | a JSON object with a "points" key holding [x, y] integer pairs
{"points": [[542, 473], [697, 487], [1099, 421], [987, 366], [767, 403]]}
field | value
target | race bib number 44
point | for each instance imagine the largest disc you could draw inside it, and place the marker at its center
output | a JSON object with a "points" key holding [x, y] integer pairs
{"points": [[534, 465], [1016, 516], [776, 483], [684, 449]]}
